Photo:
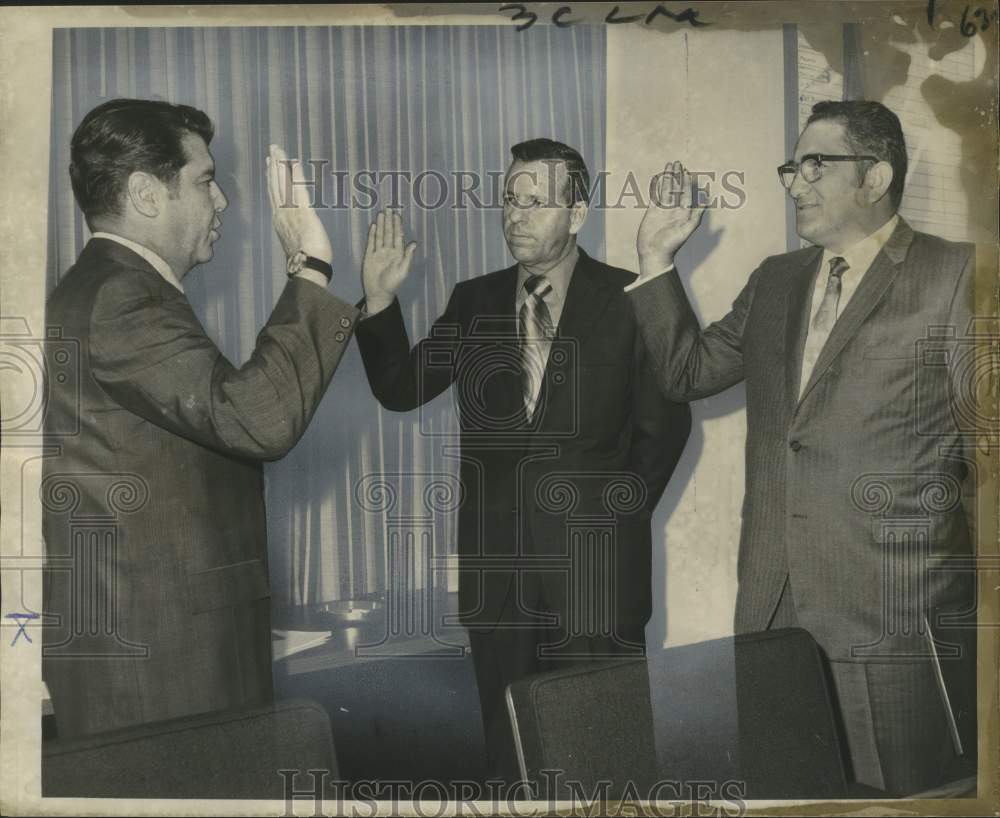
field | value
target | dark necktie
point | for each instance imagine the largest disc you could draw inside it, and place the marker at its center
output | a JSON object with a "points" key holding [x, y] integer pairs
{"points": [[536, 331]]}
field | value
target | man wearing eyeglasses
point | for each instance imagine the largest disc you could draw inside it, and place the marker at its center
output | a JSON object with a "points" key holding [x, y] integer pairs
{"points": [[853, 469], [566, 441]]}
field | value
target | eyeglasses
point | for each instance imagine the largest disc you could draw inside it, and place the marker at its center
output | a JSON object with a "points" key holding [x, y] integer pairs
{"points": [[811, 166]]}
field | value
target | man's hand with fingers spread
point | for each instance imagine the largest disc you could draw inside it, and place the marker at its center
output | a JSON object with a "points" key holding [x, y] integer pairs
{"points": [[671, 218], [387, 261]]}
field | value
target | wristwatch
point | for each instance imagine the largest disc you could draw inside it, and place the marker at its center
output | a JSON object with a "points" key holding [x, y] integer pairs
{"points": [[299, 261]]}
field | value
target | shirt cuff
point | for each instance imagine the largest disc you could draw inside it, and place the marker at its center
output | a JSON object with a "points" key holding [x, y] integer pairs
{"points": [[365, 313], [640, 281], [315, 276]]}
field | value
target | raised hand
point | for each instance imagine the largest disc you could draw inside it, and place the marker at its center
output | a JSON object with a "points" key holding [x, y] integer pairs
{"points": [[387, 260], [671, 217], [297, 223]]}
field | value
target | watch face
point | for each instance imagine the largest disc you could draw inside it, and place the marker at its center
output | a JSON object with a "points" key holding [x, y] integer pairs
{"points": [[296, 262]]}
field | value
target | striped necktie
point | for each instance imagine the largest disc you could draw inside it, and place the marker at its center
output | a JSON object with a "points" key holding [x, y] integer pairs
{"points": [[824, 319], [536, 331]]}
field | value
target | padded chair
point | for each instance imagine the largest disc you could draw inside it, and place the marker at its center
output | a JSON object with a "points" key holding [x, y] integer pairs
{"points": [[753, 710], [230, 754]]}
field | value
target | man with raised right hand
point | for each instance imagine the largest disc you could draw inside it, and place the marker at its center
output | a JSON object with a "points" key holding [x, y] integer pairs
{"points": [[154, 512], [854, 462], [566, 442]]}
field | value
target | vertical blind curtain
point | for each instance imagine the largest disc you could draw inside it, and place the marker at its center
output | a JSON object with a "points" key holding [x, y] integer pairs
{"points": [[350, 99]]}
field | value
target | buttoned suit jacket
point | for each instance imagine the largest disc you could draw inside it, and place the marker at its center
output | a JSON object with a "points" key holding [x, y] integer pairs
{"points": [[157, 588], [593, 460], [853, 490]]}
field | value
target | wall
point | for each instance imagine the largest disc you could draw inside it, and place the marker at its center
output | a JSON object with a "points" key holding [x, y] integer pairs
{"points": [[714, 100]]}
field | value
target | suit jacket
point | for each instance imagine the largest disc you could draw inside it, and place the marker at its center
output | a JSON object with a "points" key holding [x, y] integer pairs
{"points": [[593, 461], [853, 490], [157, 588]]}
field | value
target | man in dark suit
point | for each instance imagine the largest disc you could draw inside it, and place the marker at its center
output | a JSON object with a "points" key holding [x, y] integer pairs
{"points": [[854, 466], [157, 592], [566, 443]]}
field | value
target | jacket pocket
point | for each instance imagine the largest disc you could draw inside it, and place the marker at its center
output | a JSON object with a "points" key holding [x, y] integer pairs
{"points": [[227, 585]]}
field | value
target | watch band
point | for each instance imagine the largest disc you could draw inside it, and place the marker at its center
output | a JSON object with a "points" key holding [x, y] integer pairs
{"points": [[299, 261], [319, 266]]}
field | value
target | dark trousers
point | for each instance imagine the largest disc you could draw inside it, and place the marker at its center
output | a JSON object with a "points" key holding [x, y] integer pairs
{"points": [[893, 722], [521, 646]]}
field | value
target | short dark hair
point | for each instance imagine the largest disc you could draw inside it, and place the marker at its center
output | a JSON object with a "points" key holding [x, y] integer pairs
{"points": [[536, 150], [122, 136], [872, 128]]}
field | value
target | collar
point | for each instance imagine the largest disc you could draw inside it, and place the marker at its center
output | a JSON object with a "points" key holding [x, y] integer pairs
{"points": [[861, 255], [558, 276], [155, 261]]}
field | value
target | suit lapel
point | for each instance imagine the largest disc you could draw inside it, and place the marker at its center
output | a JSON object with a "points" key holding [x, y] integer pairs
{"points": [[501, 297], [797, 321], [873, 286], [586, 300], [498, 320]]}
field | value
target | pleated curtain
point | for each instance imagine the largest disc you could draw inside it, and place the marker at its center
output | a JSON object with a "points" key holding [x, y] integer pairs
{"points": [[433, 100]]}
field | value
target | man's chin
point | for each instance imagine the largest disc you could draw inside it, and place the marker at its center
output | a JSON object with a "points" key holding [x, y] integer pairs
{"points": [[806, 231], [520, 253], [202, 258]]}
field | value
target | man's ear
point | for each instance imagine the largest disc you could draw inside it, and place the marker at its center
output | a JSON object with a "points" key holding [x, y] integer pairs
{"points": [[577, 216], [145, 193], [877, 181]]}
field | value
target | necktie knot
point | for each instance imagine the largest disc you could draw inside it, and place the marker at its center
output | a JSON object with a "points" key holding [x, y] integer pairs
{"points": [[838, 266], [538, 285]]}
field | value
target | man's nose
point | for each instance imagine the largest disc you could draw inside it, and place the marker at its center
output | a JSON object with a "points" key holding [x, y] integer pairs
{"points": [[220, 200], [799, 186]]}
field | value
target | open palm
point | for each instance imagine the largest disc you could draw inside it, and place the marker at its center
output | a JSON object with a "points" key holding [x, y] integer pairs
{"points": [[295, 221], [387, 259], [671, 217]]}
